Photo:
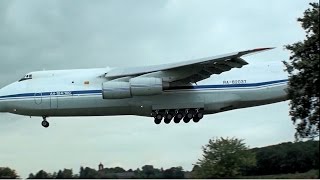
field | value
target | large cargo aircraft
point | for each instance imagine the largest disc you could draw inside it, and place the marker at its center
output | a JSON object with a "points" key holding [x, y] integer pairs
{"points": [[165, 92]]}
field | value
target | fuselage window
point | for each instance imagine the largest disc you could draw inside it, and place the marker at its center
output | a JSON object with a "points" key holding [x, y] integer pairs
{"points": [[26, 77]]}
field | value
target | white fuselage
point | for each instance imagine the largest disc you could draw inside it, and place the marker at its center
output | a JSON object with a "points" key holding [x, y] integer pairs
{"points": [[79, 93]]}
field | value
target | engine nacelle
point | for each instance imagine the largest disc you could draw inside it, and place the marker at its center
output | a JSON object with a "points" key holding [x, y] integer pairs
{"points": [[140, 86], [145, 86], [116, 90]]}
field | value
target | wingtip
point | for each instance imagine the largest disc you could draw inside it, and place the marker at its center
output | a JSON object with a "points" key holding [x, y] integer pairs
{"points": [[253, 51], [264, 49]]}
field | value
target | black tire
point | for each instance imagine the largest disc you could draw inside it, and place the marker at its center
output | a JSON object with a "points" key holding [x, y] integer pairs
{"points": [[158, 118], [186, 119], [176, 120], [189, 115], [168, 116], [167, 121], [178, 117], [157, 121], [199, 115], [196, 119], [45, 124]]}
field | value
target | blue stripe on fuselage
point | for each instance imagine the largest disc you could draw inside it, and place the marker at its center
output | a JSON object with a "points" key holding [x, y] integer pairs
{"points": [[229, 85], [199, 87]]}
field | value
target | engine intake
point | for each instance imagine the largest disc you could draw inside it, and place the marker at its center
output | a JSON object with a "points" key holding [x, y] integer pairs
{"points": [[141, 86]]}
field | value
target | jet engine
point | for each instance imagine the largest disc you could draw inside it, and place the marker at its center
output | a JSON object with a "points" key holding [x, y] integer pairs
{"points": [[140, 86]]}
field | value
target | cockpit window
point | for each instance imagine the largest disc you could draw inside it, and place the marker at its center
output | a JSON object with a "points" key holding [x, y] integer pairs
{"points": [[26, 77]]}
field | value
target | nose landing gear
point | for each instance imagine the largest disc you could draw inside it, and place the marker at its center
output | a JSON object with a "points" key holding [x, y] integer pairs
{"points": [[45, 123]]}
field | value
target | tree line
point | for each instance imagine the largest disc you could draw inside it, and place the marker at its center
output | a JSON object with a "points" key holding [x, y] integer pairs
{"points": [[147, 171], [222, 158], [286, 158], [231, 158]]}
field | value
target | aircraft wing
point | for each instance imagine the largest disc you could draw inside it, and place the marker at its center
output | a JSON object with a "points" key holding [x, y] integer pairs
{"points": [[188, 71]]}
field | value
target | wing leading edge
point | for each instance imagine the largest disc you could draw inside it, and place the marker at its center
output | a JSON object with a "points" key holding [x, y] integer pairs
{"points": [[188, 71]]}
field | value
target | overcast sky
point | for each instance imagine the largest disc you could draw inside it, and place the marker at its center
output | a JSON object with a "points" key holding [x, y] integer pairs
{"points": [[37, 35]]}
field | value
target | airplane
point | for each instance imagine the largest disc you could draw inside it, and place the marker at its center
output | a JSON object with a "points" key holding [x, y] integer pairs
{"points": [[165, 92]]}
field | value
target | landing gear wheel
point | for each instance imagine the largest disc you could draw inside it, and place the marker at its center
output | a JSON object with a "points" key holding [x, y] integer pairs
{"points": [[167, 121], [157, 121], [199, 115], [196, 119], [178, 117], [189, 115], [168, 116], [158, 118], [186, 119], [45, 123]]}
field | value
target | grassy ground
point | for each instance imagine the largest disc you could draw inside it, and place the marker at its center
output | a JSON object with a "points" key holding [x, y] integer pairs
{"points": [[312, 174]]}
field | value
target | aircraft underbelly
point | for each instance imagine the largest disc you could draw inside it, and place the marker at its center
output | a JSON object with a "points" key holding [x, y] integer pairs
{"points": [[95, 105], [143, 105]]}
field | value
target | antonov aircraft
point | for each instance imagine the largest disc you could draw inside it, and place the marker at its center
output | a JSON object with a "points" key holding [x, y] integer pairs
{"points": [[165, 92]]}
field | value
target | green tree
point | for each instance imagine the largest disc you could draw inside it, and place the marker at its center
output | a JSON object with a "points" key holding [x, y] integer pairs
{"points": [[59, 175], [223, 158], [7, 173], [303, 68], [31, 176], [173, 173], [40, 175], [65, 174], [88, 173], [148, 171], [286, 158], [114, 170]]}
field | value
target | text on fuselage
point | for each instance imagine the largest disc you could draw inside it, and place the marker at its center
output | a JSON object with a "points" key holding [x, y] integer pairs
{"points": [[61, 93]]}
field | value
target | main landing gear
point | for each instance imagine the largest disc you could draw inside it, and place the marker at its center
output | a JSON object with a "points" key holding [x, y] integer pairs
{"points": [[177, 115], [45, 123]]}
